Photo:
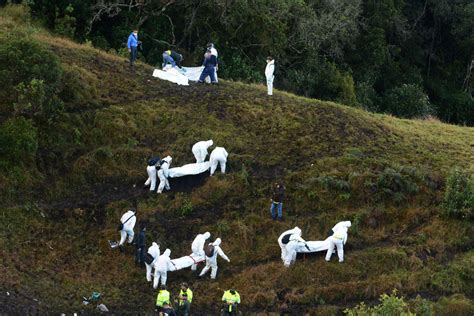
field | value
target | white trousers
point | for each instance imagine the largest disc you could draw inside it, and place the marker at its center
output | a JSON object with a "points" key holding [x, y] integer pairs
{"points": [[124, 234], [270, 85], [164, 183], [212, 266], [214, 164], [199, 155], [160, 275], [335, 243], [290, 253], [151, 181], [149, 270]]}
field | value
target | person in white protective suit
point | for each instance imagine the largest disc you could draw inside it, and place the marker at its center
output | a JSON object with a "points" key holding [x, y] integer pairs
{"points": [[269, 74], [212, 251], [151, 169], [218, 156], [214, 53], [200, 150], [128, 221], [338, 240], [163, 174], [197, 246], [289, 242], [162, 266], [154, 251]]}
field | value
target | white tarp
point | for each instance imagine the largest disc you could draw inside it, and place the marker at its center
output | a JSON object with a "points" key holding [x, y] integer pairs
{"points": [[314, 246], [171, 74], [179, 76], [193, 73], [189, 169], [186, 261]]}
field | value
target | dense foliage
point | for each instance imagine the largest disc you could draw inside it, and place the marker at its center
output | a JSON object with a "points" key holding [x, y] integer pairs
{"points": [[408, 58], [459, 196]]}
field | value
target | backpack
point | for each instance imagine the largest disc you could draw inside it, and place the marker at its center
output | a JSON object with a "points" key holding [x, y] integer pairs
{"points": [[149, 258], [209, 251], [153, 161], [286, 239]]}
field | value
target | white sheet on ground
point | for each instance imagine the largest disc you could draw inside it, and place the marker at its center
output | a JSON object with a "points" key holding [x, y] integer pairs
{"points": [[193, 73], [189, 169], [186, 261], [314, 246], [172, 74]]}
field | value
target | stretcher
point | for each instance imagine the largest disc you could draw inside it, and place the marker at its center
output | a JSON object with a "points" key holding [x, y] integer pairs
{"points": [[186, 262], [313, 246], [189, 169], [179, 76]]}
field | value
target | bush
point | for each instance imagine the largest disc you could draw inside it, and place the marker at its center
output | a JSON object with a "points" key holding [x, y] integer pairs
{"points": [[389, 305], [459, 195], [65, 25], [30, 70], [396, 184], [18, 142], [79, 87], [407, 101]]}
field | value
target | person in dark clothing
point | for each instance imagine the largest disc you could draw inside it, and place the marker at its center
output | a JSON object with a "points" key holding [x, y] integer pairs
{"points": [[173, 58], [141, 245], [167, 310], [278, 193], [210, 63]]}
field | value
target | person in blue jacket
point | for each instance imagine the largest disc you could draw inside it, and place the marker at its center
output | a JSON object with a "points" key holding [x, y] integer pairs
{"points": [[132, 45], [210, 63]]}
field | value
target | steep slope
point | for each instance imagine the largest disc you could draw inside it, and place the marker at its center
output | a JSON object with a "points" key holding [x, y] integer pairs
{"points": [[386, 175]]}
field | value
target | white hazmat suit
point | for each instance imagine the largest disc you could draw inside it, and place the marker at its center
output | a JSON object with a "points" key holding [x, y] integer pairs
{"points": [[211, 262], [200, 150], [197, 246], [269, 74], [151, 181], [162, 266], [290, 241], [218, 156], [154, 251], [338, 240], [128, 220], [163, 174]]}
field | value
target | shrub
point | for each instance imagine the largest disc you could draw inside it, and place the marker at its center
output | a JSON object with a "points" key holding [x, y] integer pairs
{"points": [[454, 305], [79, 87], [18, 142], [407, 101], [459, 195], [65, 25], [396, 184], [30, 70], [185, 209], [389, 305]]}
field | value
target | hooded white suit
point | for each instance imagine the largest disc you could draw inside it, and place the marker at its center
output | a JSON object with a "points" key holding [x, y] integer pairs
{"points": [[197, 246], [163, 174], [218, 156], [211, 262], [269, 70], [200, 150], [153, 250], [127, 229], [162, 266], [151, 181], [338, 240], [289, 250]]}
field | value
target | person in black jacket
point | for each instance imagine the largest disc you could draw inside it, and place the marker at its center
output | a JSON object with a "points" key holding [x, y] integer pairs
{"points": [[141, 245], [210, 63], [278, 193]]}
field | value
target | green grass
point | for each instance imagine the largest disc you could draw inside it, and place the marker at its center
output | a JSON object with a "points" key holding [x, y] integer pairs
{"points": [[337, 162]]}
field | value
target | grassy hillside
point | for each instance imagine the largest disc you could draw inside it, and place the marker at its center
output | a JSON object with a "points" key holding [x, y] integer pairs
{"points": [[384, 174]]}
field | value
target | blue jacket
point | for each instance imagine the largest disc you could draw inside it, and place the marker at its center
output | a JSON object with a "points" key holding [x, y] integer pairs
{"points": [[210, 61], [132, 41]]}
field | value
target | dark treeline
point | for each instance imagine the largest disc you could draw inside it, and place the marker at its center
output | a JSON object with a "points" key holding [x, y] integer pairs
{"points": [[409, 58]]}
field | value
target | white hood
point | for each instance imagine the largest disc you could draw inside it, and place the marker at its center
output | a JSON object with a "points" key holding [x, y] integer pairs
{"points": [[206, 235], [209, 143], [217, 242], [168, 159]]}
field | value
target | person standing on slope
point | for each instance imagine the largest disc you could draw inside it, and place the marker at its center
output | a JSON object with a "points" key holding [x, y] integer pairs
{"points": [[210, 64], [152, 169], [163, 174], [200, 150], [132, 45], [278, 193], [150, 259], [231, 299], [338, 240], [197, 247], [140, 245], [127, 223], [212, 250], [162, 266], [269, 74], [213, 50], [218, 156]]}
